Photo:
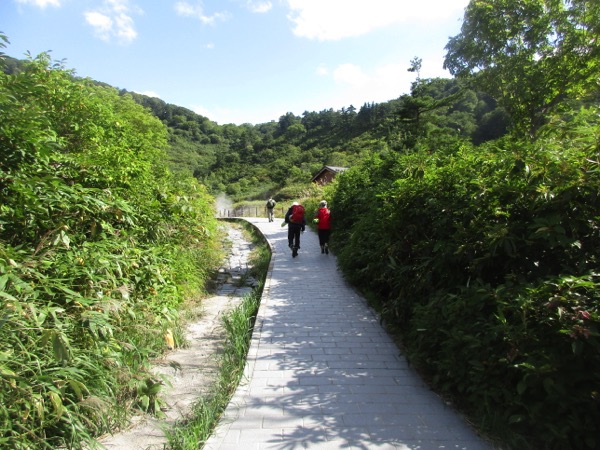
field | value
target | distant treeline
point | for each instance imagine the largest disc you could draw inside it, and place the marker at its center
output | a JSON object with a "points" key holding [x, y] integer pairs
{"points": [[252, 161]]}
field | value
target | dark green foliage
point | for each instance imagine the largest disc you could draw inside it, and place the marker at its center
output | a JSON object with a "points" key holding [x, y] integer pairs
{"points": [[487, 259], [531, 55]]}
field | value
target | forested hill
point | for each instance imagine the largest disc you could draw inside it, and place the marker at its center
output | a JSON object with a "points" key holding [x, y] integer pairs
{"points": [[252, 161]]}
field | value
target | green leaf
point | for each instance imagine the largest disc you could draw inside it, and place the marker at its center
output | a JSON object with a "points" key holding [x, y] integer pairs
{"points": [[57, 403], [3, 281], [7, 296], [144, 402], [60, 346], [78, 388], [516, 418]]}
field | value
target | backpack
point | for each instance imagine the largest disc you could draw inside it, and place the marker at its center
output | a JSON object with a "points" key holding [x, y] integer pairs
{"points": [[324, 218], [271, 204], [297, 214]]}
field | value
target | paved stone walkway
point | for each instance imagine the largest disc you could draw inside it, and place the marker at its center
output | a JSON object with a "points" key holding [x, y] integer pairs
{"points": [[323, 374]]}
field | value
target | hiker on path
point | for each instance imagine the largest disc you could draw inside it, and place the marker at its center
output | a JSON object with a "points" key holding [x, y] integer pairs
{"points": [[323, 221], [270, 206], [296, 223]]}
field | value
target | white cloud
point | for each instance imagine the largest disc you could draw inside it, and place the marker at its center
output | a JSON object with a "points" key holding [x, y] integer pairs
{"points": [[350, 74], [185, 9], [357, 86], [101, 23], [220, 115], [40, 3], [351, 85], [125, 28], [322, 70], [149, 94], [199, 109], [113, 19], [260, 6], [197, 11], [337, 19]]}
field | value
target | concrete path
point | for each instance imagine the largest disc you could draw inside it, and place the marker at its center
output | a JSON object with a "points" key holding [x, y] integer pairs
{"points": [[323, 374]]}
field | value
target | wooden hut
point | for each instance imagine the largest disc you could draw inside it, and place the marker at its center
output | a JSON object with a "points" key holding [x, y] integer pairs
{"points": [[327, 174]]}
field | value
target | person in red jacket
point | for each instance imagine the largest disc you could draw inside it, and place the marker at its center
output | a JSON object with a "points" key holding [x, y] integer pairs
{"points": [[296, 222], [323, 221]]}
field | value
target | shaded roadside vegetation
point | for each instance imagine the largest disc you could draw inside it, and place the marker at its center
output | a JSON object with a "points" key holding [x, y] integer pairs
{"points": [[484, 256], [99, 244], [485, 261]]}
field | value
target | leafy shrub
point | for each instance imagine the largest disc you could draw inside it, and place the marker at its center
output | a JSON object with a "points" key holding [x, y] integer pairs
{"points": [[99, 243], [295, 192], [486, 259]]}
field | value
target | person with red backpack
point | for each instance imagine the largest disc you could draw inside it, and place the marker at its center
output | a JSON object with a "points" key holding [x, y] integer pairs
{"points": [[296, 223], [323, 221]]}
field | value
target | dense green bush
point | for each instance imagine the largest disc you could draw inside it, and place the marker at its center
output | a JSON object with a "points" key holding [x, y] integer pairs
{"points": [[487, 260], [99, 244]]}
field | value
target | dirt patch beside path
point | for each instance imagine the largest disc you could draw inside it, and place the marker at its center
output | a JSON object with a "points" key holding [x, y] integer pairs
{"points": [[192, 370]]}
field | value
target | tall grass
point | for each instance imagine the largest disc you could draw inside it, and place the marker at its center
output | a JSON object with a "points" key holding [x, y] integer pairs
{"points": [[99, 246]]}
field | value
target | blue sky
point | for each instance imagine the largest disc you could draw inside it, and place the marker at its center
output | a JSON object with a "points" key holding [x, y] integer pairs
{"points": [[241, 61]]}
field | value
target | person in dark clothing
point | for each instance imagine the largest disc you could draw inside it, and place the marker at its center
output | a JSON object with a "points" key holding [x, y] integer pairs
{"points": [[323, 221], [296, 223], [270, 206]]}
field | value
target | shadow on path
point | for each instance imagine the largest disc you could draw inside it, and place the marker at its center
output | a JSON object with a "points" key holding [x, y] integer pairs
{"points": [[322, 373]]}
